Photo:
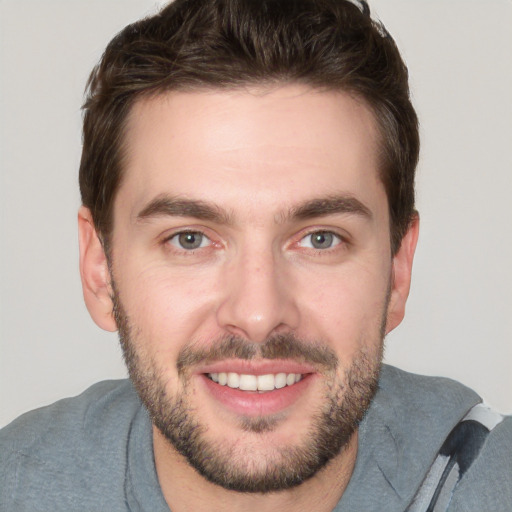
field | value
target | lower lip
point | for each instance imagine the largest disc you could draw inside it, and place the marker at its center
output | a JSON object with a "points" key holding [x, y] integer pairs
{"points": [[254, 403]]}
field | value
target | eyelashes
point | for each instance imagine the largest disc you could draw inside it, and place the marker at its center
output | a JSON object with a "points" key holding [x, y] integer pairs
{"points": [[320, 240], [192, 240], [189, 240]]}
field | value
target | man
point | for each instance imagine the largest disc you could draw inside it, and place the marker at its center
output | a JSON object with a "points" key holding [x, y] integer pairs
{"points": [[248, 227]]}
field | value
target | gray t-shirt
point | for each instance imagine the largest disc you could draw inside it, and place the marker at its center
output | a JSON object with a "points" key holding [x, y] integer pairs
{"points": [[95, 453]]}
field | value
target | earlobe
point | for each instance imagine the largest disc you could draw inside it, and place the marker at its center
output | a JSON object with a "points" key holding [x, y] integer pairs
{"points": [[94, 273], [401, 276]]}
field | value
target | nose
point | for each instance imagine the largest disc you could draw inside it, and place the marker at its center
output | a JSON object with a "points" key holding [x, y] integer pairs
{"points": [[258, 297]]}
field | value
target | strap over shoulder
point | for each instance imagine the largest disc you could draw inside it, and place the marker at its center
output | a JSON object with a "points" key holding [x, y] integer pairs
{"points": [[458, 452]]}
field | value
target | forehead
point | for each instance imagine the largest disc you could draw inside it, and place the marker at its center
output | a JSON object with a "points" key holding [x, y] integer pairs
{"points": [[271, 146]]}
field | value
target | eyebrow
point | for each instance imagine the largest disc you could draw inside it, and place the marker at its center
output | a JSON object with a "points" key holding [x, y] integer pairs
{"points": [[180, 207], [165, 205], [330, 205]]}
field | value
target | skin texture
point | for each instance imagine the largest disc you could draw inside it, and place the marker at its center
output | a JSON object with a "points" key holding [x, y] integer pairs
{"points": [[253, 174]]}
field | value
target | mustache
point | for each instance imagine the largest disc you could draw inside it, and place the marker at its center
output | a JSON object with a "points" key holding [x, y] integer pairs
{"points": [[279, 346]]}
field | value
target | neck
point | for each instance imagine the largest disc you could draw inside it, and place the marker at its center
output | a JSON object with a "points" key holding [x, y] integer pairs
{"points": [[185, 490]]}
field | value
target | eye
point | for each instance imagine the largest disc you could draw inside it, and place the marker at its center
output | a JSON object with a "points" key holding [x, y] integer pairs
{"points": [[189, 240], [320, 240]]}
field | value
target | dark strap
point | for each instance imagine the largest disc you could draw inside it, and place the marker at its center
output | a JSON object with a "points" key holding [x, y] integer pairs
{"points": [[455, 457]]}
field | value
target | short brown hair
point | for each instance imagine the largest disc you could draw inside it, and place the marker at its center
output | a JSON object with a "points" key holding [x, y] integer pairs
{"points": [[201, 44]]}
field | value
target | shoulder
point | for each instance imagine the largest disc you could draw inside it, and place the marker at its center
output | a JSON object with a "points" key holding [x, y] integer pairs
{"points": [[415, 388], [487, 485], [418, 400], [75, 417], [74, 442], [405, 427], [420, 413]]}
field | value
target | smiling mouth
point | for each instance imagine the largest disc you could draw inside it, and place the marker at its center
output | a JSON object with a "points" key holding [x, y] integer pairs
{"points": [[248, 382]]}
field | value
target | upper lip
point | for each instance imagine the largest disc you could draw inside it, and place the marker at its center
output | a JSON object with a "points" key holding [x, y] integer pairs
{"points": [[256, 367]]}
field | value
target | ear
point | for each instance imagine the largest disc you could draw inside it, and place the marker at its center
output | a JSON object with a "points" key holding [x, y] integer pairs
{"points": [[94, 273], [401, 276]]}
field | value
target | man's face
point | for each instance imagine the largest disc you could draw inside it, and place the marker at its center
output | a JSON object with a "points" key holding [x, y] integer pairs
{"points": [[252, 275]]}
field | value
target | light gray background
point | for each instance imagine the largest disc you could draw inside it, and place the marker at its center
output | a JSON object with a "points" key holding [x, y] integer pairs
{"points": [[459, 319]]}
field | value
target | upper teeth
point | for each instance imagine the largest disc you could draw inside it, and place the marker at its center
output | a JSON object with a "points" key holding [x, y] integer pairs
{"points": [[255, 382]]}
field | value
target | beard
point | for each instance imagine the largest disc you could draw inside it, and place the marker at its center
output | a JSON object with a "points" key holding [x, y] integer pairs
{"points": [[348, 393]]}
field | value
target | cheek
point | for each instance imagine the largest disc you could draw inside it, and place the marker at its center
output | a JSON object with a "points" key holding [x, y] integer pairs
{"points": [[346, 304], [168, 307]]}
